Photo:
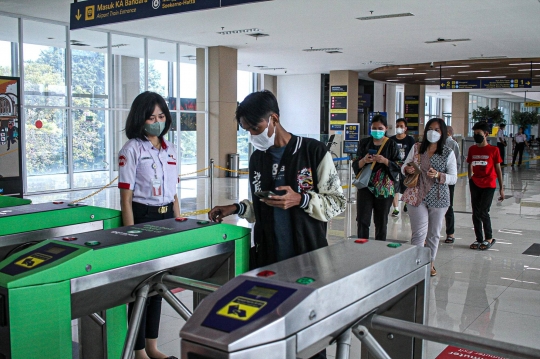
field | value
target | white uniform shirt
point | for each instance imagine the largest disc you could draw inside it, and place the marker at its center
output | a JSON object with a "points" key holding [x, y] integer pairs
{"points": [[520, 138], [501, 136], [141, 166]]}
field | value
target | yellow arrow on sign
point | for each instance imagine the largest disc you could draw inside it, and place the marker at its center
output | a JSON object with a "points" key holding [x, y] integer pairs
{"points": [[442, 85], [528, 83], [78, 16]]}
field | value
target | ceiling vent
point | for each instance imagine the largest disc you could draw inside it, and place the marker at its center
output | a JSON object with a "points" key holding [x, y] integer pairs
{"points": [[104, 47], [440, 40], [273, 68], [257, 35], [190, 57], [379, 63], [334, 52], [77, 43], [324, 49], [487, 57], [242, 31], [389, 16]]}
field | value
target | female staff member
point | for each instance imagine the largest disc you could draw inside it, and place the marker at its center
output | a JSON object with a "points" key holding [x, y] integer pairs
{"points": [[377, 197], [520, 140], [429, 200], [148, 176]]}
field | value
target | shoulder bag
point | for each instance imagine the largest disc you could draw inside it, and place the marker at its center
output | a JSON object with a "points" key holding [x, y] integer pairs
{"points": [[411, 180], [363, 177]]}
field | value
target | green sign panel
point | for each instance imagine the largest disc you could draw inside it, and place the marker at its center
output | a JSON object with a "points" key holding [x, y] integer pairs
{"points": [[102, 12]]}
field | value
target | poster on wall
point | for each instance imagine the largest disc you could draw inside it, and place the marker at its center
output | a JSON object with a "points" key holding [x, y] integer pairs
{"points": [[188, 121], [10, 137]]}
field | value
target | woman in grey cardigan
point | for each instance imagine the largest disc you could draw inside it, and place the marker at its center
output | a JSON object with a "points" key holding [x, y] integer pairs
{"points": [[428, 201]]}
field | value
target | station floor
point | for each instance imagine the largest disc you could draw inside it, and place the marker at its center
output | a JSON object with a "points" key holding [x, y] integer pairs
{"points": [[493, 294]]}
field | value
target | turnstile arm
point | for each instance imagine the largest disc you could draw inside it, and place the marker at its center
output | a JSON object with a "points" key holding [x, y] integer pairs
{"points": [[98, 319], [190, 284], [444, 336], [174, 302], [363, 334], [135, 321]]}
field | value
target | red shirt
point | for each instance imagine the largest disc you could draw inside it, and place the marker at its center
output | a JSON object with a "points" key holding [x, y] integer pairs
{"points": [[483, 160]]}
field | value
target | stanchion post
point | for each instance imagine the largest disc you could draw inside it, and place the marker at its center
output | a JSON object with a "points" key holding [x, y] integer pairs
{"points": [[211, 183], [350, 200]]}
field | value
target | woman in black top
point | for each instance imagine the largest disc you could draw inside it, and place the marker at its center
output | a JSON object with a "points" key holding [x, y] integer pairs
{"points": [[377, 197]]}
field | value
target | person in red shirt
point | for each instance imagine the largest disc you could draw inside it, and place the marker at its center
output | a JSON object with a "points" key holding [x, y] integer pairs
{"points": [[484, 170]]}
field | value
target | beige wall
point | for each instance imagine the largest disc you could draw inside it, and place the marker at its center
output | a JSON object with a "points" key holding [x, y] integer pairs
{"points": [[420, 91], [349, 78], [460, 113]]}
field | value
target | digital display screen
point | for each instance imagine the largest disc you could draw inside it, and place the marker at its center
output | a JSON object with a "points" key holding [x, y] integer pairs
{"points": [[262, 292], [55, 250]]}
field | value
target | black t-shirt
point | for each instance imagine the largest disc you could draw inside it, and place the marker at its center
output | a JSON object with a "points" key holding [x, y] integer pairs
{"points": [[404, 145]]}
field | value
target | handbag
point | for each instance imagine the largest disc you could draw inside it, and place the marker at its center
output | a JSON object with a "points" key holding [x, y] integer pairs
{"points": [[363, 177], [411, 180]]}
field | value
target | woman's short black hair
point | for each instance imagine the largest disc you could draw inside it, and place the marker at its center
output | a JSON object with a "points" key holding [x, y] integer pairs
{"points": [[141, 109], [483, 126], [442, 141], [256, 107], [381, 119]]}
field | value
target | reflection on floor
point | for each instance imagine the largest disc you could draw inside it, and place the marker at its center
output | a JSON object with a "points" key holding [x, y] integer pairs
{"points": [[493, 293]]}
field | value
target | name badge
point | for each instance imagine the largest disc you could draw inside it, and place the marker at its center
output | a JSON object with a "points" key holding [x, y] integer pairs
{"points": [[156, 188]]}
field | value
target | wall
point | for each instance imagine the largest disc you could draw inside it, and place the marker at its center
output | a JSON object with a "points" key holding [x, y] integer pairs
{"points": [[299, 98]]}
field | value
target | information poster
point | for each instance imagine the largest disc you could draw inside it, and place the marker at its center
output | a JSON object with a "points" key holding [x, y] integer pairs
{"points": [[412, 114], [338, 105], [371, 115], [10, 137], [352, 132]]}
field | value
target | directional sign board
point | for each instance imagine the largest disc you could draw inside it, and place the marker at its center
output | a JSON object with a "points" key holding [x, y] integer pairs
{"points": [[461, 84], [532, 104], [506, 83], [101, 12]]}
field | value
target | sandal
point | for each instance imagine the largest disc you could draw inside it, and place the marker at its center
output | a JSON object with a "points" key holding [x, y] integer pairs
{"points": [[449, 239], [433, 272], [487, 245], [475, 245]]}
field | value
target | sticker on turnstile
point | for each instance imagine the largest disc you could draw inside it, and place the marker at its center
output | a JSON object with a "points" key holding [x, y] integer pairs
{"points": [[33, 260], [242, 308], [45, 255]]}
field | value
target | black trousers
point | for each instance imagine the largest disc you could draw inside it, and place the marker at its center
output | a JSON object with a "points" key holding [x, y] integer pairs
{"points": [[518, 149], [481, 199], [502, 151], [449, 216], [149, 327], [366, 203]]}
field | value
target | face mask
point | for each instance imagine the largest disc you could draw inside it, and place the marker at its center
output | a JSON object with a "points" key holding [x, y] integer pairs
{"points": [[154, 129], [261, 141], [377, 134], [399, 131], [433, 136], [478, 138]]}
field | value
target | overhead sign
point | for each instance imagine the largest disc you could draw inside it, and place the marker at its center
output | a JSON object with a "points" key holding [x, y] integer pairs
{"points": [[338, 90], [532, 104], [460, 85], [412, 107], [336, 127], [352, 132], [506, 83], [102, 12], [485, 84], [364, 100]]}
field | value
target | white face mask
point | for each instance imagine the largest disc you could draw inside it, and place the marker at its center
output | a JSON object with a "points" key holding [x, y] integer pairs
{"points": [[399, 131], [433, 136], [261, 141]]}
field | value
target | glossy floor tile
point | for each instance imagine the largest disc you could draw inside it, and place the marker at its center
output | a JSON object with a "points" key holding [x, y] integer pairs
{"points": [[493, 294]]}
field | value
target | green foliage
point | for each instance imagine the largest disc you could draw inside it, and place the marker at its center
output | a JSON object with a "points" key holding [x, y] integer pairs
{"points": [[5, 71], [487, 114], [525, 118]]}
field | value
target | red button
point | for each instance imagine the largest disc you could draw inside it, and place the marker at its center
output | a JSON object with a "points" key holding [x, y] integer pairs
{"points": [[266, 273], [361, 241], [180, 219], [58, 202], [69, 239]]}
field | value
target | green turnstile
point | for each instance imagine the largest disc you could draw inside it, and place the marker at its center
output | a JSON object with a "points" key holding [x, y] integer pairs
{"points": [[44, 287], [28, 224], [8, 201]]}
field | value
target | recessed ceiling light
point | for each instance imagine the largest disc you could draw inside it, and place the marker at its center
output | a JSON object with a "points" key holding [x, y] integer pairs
{"points": [[451, 66], [471, 72], [525, 64], [437, 78], [491, 77], [406, 68], [392, 80], [389, 16], [524, 70], [412, 73], [242, 31]]}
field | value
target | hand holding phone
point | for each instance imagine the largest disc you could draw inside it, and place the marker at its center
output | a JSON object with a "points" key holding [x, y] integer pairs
{"points": [[372, 152], [264, 194]]}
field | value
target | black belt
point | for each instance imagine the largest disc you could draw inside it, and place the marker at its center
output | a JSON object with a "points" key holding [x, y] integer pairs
{"points": [[155, 209]]}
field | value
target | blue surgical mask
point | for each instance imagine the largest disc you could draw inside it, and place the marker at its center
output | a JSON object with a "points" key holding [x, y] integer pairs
{"points": [[154, 129], [377, 134]]}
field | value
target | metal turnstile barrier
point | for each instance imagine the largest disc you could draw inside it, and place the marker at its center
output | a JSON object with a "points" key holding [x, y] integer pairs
{"points": [[294, 309]]}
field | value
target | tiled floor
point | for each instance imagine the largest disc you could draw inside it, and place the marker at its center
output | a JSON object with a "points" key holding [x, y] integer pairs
{"points": [[493, 294]]}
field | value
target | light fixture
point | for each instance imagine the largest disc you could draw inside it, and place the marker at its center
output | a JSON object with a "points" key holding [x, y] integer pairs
{"points": [[525, 64], [242, 31], [389, 16], [323, 49], [412, 73], [437, 78], [451, 66], [406, 68], [491, 77], [472, 72], [524, 70]]}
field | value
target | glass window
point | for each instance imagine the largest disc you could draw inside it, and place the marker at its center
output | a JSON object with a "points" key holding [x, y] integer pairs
{"points": [[9, 50], [128, 69], [244, 88], [89, 69], [44, 52]]}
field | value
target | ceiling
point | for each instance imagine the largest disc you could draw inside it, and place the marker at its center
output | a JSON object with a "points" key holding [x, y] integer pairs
{"points": [[495, 28]]}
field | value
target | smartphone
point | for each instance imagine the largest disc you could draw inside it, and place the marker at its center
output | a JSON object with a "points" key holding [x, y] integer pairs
{"points": [[372, 152], [264, 194]]}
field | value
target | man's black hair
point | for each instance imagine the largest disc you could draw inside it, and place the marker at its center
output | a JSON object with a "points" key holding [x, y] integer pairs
{"points": [[256, 107], [402, 120], [381, 119], [141, 109], [442, 141], [483, 126], [502, 125]]}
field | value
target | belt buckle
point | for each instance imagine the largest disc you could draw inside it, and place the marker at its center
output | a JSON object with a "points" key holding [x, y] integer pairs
{"points": [[162, 209]]}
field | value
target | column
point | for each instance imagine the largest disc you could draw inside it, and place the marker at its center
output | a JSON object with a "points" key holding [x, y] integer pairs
{"points": [[222, 86], [460, 113], [349, 79], [416, 121]]}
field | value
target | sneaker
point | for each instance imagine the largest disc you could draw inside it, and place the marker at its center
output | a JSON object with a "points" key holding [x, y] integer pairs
{"points": [[395, 213]]}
